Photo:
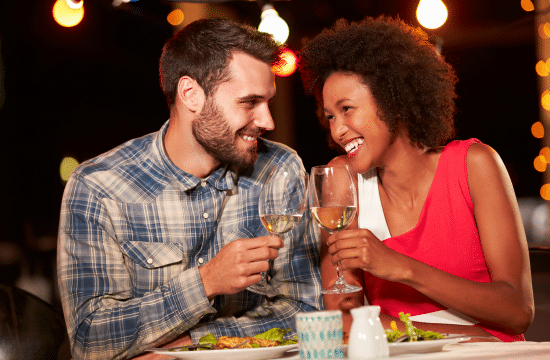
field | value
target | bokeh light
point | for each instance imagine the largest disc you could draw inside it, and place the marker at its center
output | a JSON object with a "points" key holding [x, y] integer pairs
{"points": [[431, 13], [175, 17], [540, 163], [545, 191], [288, 64], [542, 29], [68, 164], [545, 151], [66, 15], [542, 68], [527, 5], [545, 100], [537, 129]]}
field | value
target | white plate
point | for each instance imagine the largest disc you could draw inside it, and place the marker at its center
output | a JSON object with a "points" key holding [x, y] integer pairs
{"points": [[232, 354], [421, 346]]}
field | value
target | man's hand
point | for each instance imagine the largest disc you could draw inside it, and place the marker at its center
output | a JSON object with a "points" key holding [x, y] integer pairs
{"points": [[238, 265]]}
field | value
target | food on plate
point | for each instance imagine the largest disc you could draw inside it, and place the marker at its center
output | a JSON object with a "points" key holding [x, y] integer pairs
{"points": [[270, 338], [414, 334], [229, 342]]}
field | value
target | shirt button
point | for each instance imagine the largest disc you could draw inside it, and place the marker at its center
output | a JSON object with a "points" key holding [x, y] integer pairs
{"points": [[149, 261], [205, 215], [203, 183], [201, 261]]}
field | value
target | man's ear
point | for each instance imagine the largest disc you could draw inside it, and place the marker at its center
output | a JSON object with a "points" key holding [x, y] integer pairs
{"points": [[190, 93]]}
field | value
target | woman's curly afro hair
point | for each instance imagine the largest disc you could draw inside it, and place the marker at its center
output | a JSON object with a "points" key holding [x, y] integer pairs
{"points": [[410, 81]]}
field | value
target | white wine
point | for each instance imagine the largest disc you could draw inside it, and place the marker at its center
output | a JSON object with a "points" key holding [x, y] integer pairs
{"points": [[280, 224], [333, 218]]}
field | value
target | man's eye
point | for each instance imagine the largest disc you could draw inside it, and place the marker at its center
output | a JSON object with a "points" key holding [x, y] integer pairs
{"points": [[251, 103]]}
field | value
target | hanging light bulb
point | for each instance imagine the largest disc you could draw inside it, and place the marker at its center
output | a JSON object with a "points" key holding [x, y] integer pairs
{"points": [[431, 13], [68, 13], [273, 24]]}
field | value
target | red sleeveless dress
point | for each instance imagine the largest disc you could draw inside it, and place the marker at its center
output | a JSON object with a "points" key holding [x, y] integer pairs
{"points": [[445, 237]]}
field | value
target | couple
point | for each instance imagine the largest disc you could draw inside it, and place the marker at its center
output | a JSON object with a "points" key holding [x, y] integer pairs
{"points": [[160, 237]]}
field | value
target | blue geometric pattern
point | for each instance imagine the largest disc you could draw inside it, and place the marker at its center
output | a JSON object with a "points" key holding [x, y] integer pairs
{"points": [[320, 335]]}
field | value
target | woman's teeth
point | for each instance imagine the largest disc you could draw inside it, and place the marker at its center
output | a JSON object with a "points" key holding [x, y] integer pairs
{"points": [[353, 145]]}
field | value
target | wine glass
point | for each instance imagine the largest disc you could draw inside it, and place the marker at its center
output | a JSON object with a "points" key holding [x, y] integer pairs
{"points": [[282, 203], [333, 206]]}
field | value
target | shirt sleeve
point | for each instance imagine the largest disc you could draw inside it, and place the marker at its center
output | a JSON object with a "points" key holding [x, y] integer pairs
{"points": [[295, 274], [105, 318]]}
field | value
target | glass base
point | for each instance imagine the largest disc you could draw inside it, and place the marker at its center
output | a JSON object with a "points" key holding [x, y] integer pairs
{"points": [[344, 288], [263, 288]]}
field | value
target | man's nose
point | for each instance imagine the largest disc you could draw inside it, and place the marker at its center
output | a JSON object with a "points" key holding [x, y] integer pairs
{"points": [[265, 120]]}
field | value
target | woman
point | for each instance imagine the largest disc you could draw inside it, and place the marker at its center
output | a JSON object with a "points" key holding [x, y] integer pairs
{"points": [[438, 234]]}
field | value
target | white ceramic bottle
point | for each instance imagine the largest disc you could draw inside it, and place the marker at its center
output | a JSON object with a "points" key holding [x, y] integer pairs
{"points": [[367, 340]]}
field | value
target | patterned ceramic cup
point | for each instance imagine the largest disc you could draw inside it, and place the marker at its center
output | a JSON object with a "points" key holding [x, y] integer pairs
{"points": [[320, 334]]}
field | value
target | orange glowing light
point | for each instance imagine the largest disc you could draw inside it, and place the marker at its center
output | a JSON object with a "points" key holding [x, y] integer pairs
{"points": [[527, 5], [287, 65], [542, 31], [175, 17], [545, 191], [546, 29], [537, 129], [540, 163], [545, 100], [542, 68], [67, 16], [545, 151]]}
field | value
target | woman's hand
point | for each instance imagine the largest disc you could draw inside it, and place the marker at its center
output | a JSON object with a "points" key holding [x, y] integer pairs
{"points": [[360, 249]]}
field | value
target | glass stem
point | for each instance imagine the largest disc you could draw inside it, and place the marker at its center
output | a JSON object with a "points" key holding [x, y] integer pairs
{"points": [[339, 275]]}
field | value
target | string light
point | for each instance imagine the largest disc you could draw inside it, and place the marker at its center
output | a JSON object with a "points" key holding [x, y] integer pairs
{"points": [[431, 13], [273, 24], [68, 13]]}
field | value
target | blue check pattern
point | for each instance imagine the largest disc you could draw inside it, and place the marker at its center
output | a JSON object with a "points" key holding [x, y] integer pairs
{"points": [[134, 230]]}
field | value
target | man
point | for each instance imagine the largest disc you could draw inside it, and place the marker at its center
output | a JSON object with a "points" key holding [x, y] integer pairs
{"points": [[160, 238]]}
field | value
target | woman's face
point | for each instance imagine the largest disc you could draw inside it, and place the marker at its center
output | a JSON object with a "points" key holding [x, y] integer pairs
{"points": [[352, 114]]}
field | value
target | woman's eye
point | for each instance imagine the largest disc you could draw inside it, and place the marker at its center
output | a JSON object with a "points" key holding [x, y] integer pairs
{"points": [[329, 117], [346, 108]]}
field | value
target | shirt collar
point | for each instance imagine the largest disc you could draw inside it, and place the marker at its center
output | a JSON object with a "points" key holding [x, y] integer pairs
{"points": [[223, 178]]}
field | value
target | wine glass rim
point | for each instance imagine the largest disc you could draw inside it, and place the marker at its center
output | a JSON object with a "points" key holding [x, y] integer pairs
{"points": [[330, 166]]}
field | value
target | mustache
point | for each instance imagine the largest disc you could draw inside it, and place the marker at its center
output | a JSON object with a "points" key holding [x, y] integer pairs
{"points": [[251, 131]]}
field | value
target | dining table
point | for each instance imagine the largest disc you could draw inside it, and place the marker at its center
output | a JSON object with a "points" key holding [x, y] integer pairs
{"points": [[521, 350]]}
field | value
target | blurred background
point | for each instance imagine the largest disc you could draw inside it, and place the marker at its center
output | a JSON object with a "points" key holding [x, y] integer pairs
{"points": [[69, 93]]}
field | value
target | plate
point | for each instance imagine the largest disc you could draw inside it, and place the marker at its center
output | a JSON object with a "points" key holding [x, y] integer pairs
{"points": [[232, 354], [426, 346]]}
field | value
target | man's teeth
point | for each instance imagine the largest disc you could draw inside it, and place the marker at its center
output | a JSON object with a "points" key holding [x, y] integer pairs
{"points": [[249, 138], [354, 145]]}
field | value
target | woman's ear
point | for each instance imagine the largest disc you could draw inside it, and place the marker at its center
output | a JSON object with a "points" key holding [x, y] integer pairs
{"points": [[190, 93]]}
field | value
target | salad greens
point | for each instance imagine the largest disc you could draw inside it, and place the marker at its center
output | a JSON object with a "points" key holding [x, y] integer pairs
{"points": [[414, 333]]}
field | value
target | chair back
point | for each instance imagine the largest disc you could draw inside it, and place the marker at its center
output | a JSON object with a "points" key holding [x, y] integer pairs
{"points": [[30, 328]]}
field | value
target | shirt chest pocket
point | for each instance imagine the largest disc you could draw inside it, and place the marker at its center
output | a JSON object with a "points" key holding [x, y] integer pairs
{"points": [[152, 264]]}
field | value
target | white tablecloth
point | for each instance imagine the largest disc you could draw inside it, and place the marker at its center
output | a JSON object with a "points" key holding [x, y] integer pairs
{"points": [[521, 350]]}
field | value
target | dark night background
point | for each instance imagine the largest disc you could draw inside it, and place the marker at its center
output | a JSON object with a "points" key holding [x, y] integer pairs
{"points": [[84, 90]]}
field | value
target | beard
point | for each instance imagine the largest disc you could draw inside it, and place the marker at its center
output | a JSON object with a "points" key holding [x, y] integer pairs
{"points": [[213, 132]]}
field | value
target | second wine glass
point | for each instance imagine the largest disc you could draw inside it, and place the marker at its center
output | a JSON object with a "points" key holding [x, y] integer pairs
{"points": [[282, 203], [333, 206]]}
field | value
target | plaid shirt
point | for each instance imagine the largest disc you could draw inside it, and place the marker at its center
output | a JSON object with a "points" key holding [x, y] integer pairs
{"points": [[134, 230]]}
